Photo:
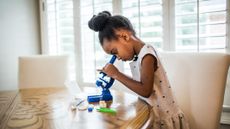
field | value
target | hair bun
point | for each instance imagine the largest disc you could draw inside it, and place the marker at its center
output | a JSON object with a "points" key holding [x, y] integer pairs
{"points": [[98, 22]]}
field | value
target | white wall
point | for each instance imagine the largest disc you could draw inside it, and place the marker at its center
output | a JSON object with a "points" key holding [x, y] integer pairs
{"points": [[19, 35]]}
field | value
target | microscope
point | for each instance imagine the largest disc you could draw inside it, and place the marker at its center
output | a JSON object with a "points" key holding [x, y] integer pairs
{"points": [[105, 83]]}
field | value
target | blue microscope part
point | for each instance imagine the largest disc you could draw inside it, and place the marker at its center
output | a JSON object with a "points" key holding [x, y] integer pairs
{"points": [[105, 83]]}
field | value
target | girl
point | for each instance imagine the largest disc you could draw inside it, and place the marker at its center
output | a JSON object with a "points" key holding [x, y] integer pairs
{"points": [[117, 37]]}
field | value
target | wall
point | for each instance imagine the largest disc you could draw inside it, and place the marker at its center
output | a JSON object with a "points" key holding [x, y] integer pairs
{"points": [[19, 35]]}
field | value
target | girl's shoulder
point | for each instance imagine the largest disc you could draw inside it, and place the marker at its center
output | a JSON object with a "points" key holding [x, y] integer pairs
{"points": [[145, 50], [148, 50]]}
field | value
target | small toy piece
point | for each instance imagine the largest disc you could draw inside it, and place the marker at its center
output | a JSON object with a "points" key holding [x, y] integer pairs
{"points": [[102, 104], [90, 108], [82, 106], [107, 110], [105, 83], [76, 102]]}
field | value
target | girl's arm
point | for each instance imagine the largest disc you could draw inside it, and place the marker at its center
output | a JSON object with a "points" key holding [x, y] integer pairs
{"points": [[145, 86]]}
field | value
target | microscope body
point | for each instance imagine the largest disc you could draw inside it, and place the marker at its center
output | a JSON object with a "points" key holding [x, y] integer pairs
{"points": [[105, 83]]}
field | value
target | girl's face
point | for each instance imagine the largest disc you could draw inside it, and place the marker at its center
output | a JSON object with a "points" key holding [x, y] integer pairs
{"points": [[122, 47]]}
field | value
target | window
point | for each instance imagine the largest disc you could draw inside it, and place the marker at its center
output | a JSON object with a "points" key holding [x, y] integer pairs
{"points": [[92, 54], [200, 25], [146, 17], [60, 33], [196, 25]]}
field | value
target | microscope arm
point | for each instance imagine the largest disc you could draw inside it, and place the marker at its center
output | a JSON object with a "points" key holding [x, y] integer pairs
{"points": [[105, 83]]}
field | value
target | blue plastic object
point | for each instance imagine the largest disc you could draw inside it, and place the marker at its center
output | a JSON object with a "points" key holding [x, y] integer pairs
{"points": [[90, 108], [105, 83]]}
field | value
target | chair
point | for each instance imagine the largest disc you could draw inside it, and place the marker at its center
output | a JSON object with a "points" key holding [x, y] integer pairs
{"points": [[42, 71], [198, 82]]}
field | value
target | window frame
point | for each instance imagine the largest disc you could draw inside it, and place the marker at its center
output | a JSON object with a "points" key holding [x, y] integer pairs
{"points": [[43, 27], [169, 22], [78, 44]]}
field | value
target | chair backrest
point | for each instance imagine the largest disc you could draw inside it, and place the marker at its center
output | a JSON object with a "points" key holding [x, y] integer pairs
{"points": [[42, 71], [198, 81]]}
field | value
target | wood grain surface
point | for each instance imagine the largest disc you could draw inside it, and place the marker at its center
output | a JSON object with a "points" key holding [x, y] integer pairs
{"points": [[49, 108], [6, 99]]}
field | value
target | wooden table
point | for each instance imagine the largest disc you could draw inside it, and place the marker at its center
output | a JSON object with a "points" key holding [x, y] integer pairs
{"points": [[49, 108]]}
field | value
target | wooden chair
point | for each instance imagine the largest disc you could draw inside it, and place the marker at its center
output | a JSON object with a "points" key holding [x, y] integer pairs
{"points": [[42, 71]]}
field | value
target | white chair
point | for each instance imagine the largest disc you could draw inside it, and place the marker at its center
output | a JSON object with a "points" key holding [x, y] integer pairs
{"points": [[42, 71], [198, 81]]}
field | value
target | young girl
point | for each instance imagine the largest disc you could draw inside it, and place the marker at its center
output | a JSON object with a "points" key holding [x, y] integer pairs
{"points": [[117, 37]]}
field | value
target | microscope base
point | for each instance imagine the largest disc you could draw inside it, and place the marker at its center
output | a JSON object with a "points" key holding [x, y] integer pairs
{"points": [[97, 98]]}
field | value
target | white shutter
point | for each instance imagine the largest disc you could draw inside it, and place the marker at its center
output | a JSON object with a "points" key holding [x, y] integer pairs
{"points": [[200, 25], [93, 57]]}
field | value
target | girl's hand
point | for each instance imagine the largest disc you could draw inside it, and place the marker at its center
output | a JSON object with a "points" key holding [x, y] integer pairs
{"points": [[110, 70]]}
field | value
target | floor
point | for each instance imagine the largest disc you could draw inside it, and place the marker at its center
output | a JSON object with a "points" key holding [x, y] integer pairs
{"points": [[224, 126]]}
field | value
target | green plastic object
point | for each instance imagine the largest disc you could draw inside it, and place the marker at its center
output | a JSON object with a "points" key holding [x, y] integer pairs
{"points": [[107, 110]]}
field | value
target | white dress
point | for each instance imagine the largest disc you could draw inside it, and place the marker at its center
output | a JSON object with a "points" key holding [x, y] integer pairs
{"points": [[167, 114]]}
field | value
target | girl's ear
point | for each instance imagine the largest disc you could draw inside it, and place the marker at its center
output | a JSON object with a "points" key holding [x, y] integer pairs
{"points": [[123, 34], [126, 37]]}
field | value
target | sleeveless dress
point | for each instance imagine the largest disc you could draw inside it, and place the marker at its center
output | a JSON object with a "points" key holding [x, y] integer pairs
{"points": [[166, 112]]}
